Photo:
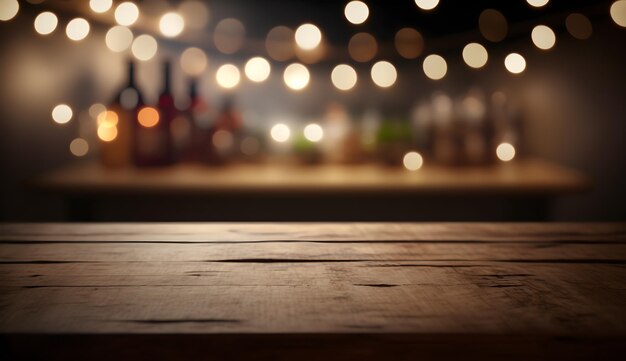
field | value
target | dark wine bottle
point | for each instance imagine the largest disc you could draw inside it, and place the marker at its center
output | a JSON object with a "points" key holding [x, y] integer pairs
{"points": [[153, 141], [116, 125], [191, 135]]}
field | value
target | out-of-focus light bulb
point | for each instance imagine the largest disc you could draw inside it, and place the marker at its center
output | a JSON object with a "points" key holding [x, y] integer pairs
{"points": [[344, 77], [96, 109], [195, 13], [412, 161], [409, 43], [46, 23], [308, 36], [77, 29], [362, 47], [229, 35], [313, 132], [427, 4], [279, 43], [107, 119], [475, 55], [543, 37], [537, 3], [257, 69], [579, 26], [148, 117], [384, 74], [107, 134], [618, 12], [118, 38], [171, 25], [100, 6], [280, 133], [126, 13], [193, 61], [79, 147], [296, 76], [356, 12], [144, 47], [62, 113], [515, 63], [435, 67], [228, 76], [8, 9], [505, 152]]}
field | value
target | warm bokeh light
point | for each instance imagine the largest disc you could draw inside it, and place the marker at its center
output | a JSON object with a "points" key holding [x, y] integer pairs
{"points": [[107, 134], [308, 36], [8, 9], [171, 25], [193, 61], [384, 74], [344, 77], [356, 12], [144, 47], [475, 55], [228, 76], [543, 37], [409, 43], [126, 13], [493, 25], [413, 161], [100, 6], [362, 47], [79, 147], [280, 44], [435, 67], [257, 69], [296, 76], [537, 3], [223, 140], [62, 113], [148, 117], [46, 23], [579, 26], [280, 133], [313, 132], [427, 4], [107, 119], [96, 109], [195, 13], [250, 146], [515, 63], [77, 29], [118, 38], [618, 12], [229, 35], [505, 152]]}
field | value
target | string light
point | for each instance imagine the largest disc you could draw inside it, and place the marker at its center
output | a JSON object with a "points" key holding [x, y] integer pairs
{"points": [[413, 161], [195, 13], [107, 119], [171, 25], [280, 133], [118, 38], [435, 67], [8, 9], [126, 13], [493, 25], [77, 29], [144, 47], [362, 47], [427, 4], [148, 117], [356, 12], [543, 37], [475, 55], [257, 69], [308, 36], [618, 12], [343, 77], [384, 74], [100, 6], [46, 23], [279, 43], [505, 152], [107, 134], [537, 3], [313, 132], [96, 109], [193, 61], [409, 43], [79, 147], [229, 35], [515, 63], [62, 114], [228, 76], [296, 76]]}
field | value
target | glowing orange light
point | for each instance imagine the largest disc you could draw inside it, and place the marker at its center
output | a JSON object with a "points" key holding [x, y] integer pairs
{"points": [[107, 134], [148, 117], [107, 119]]}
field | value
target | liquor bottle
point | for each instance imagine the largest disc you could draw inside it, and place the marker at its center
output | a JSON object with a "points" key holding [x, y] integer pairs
{"points": [[153, 141], [116, 124], [225, 134], [190, 131]]}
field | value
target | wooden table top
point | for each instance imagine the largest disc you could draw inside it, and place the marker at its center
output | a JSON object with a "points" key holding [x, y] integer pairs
{"points": [[530, 285], [523, 177]]}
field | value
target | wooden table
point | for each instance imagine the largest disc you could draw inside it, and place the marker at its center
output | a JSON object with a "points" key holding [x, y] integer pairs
{"points": [[366, 291], [276, 192]]}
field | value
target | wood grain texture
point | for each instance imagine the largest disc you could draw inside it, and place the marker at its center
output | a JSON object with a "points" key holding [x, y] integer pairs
{"points": [[311, 291], [526, 177]]}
